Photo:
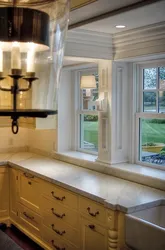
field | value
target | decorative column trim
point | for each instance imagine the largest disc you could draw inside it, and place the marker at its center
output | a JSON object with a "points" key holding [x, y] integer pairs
{"points": [[112, 240], [119, 105]]}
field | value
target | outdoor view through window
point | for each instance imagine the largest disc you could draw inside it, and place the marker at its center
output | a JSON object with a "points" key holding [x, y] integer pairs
{"points": [[89, 119], [152, 127]]}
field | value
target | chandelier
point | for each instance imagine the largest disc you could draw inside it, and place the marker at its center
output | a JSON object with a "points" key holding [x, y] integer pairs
{"points": [[32, 35]]}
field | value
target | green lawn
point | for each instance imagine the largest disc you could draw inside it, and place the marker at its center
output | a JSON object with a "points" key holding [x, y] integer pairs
{"points": [[91, 132], [153, 132]]}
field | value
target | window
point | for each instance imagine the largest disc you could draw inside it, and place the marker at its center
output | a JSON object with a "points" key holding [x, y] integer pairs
{"points": [[151, 118], [88, 116]]}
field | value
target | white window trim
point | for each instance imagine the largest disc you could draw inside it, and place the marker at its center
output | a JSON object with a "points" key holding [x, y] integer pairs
{"points": [[138, 109]]}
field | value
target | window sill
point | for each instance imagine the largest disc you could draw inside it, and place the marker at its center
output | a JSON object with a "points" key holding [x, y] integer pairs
{"points": [[132, 172], [75, 155]]}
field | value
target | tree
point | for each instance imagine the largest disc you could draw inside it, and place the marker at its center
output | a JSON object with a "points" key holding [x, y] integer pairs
{"points": [[150, 77]]}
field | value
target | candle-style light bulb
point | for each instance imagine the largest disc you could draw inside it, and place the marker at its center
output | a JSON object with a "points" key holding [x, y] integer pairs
{"points": [[31, 58], [15, 56], [1, 60]]}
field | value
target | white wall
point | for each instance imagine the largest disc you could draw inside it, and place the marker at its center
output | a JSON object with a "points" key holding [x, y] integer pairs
{"points": [[65, 110]]}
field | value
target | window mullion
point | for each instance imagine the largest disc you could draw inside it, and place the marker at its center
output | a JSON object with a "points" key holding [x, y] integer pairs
{"points": [[157, 92]]}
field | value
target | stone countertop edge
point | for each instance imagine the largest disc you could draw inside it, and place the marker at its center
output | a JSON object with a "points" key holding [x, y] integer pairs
{"points": [[61, 184], [107, 204]]}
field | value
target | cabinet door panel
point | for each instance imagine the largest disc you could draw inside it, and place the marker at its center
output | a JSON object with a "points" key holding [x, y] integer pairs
{"points": [[13, 173], [29, 191], [4, 192], [93, 236]]}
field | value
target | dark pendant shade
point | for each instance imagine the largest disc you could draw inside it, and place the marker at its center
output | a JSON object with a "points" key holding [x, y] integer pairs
{"points": [[24, 25]]}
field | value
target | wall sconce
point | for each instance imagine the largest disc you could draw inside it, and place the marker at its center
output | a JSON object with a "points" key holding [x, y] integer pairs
{"points": [[31, 31], [102, 101], [88, 83]]}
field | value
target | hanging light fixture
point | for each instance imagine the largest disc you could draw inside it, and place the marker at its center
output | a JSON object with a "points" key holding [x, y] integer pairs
{"points": [[32, 35]]}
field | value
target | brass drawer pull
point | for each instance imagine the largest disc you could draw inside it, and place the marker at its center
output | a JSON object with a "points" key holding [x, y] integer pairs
{"points": [[91, 227], [28, 175], [57, 231], [58, 198], [56, 247], [57, 215], [92, 214], [28, 216], [29, 182]]}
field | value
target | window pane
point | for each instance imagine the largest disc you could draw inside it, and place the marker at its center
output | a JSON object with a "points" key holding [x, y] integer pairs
{"points": [[161, 101], [162, 77], [152, 138], [150, 76], [149, 102], [89, 132], [90, 96]]}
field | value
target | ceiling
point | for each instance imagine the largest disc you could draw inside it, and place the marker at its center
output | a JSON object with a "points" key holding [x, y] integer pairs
{"points": [[98, 7], [146, 15]]}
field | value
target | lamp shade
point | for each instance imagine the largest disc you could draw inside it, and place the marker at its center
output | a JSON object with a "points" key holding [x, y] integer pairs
{"points": [[88, 82]]}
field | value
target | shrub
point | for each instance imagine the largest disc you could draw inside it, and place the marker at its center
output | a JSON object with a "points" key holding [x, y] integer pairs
{"points": [[149, 144]]}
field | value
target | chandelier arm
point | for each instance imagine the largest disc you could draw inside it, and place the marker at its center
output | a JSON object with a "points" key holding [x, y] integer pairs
{"points": [[26, 89], [5, 89]]}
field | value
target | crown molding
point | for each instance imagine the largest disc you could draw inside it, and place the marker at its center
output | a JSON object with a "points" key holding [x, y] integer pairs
{"points": [[89, 44], [132, 44], [76, 4], [148, 40]]}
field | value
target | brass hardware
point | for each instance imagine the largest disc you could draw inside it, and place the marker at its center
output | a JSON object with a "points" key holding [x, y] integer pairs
{"points": [[57, 215], [91, 227], [92, 214], [28, 216], [29, 182], [56, 247], [57, 231], [28, 176], [58, 198]]}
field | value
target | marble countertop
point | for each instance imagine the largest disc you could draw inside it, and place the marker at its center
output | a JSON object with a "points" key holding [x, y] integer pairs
{"points": [[113, 192]]}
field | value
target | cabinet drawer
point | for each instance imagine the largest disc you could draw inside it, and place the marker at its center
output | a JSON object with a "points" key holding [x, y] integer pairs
{"points": [[30, 220], [62, 229], [54, 242], [29, 191], [60, 195], [62, 213], [92, 210]]}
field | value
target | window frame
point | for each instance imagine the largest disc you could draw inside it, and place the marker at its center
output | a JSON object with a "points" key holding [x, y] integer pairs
{"points": [[139, 113], [80, 111]]}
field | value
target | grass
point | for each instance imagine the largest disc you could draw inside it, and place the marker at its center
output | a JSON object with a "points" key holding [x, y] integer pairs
{"points": [[91, 132], [153, 132]]}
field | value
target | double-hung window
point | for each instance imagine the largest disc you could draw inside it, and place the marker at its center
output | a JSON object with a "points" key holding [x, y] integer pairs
{"points": [[87, 115], [150, 118]]}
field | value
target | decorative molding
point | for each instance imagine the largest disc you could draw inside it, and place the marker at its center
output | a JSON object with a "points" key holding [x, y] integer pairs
{"points": [[88, 44], [119, 105], [76, 4], [135, 43], [112, 240], [142, 41]]}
